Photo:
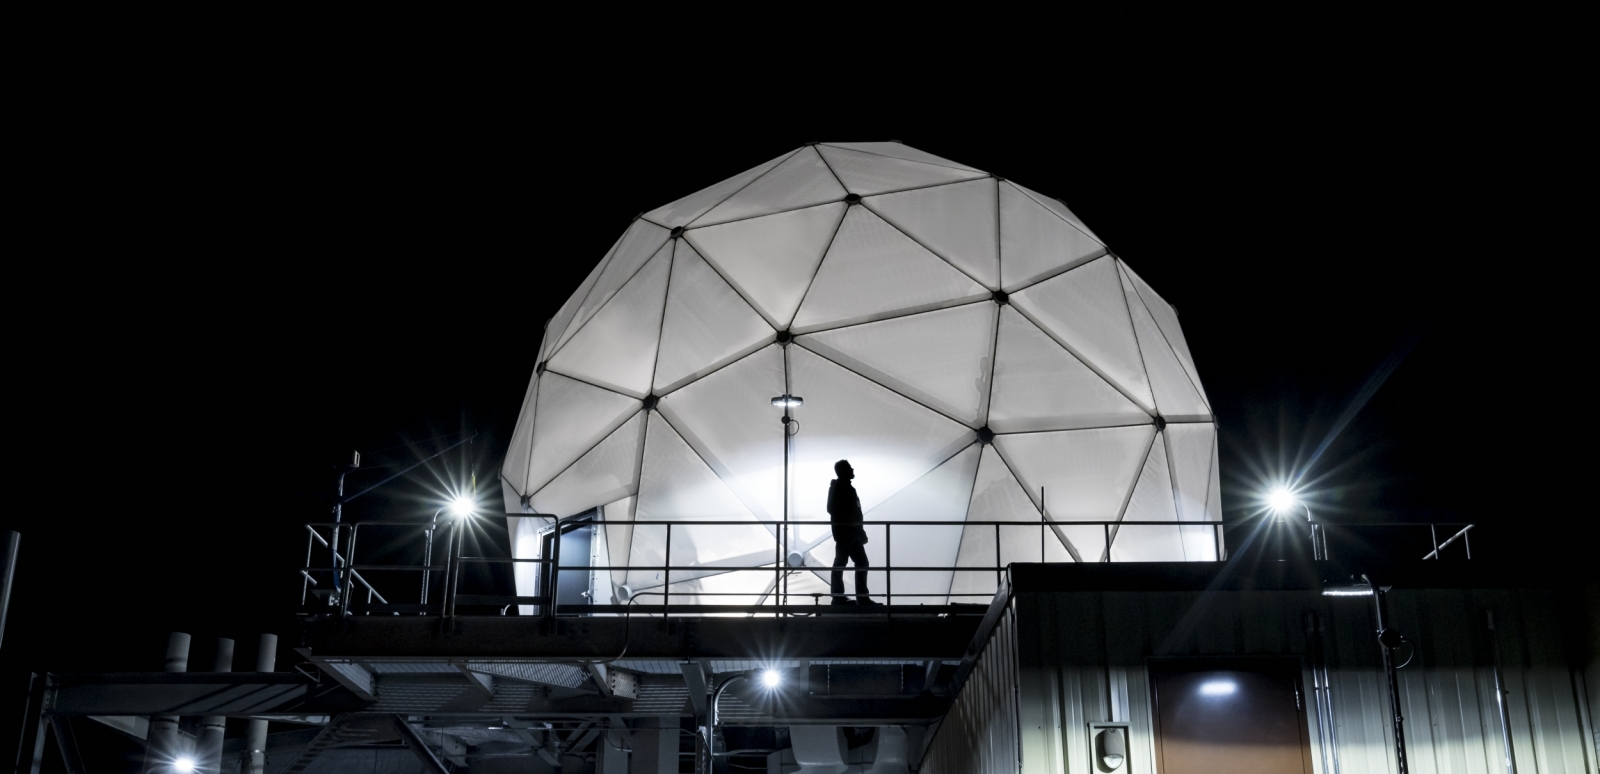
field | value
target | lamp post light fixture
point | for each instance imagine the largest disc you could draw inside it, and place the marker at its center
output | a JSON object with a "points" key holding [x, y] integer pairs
{"points": [[1388, 640], [1283, 500], [770, 679], [780, 582]]}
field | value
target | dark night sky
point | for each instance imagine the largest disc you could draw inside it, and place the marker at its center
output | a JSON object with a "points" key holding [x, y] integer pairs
{"points": [[217, 292]]}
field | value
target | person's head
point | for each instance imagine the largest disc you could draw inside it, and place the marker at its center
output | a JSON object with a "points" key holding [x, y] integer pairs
{"points": [[843, 470]]}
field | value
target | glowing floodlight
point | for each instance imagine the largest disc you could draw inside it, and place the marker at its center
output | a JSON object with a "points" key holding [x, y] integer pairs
{"points": [[788, 401], [1352, 590], [183, 765], [1219, 688], [1281, 500], [462, 506], [771, 678]]}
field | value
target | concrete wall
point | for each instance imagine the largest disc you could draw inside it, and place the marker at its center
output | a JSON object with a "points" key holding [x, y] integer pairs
{"points": [[1081, 657]]}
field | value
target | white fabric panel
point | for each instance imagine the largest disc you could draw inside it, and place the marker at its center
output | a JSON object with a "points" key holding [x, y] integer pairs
{"points": [[1086, 310], [556, 327], [898, 151], [1167, 320], [1152, 496], [642, 241], [771, 260], [940, 359], [1141, 543], [1087, 472], [1214, 496], [998, 496], [675, 484], [802, 180], [609, 471], [619, 537], [682, 211], [889, 440], [1039, 385], [941, 495], [617, 347], [514, 469], [729, 419], [871, 173], [1034, 243], [957, 222], [1191, 450], [509, 495], [1055, 206], [977, 550], [1175, 395], [872, 270], [707, 323], [1089, 540], [573, 416]]}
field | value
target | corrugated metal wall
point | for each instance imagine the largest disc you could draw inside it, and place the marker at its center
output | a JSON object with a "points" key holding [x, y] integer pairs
{"points": [[1081, 657], [979, 734]]}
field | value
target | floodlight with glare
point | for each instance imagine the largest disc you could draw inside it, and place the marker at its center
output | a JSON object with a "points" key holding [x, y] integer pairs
{"points": [[788, 401], [462, 506], [771, 679], [183, 765], [1282, 500]]}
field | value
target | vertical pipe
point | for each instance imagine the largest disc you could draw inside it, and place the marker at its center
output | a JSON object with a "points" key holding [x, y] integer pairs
{"points": [[666, 582], [162, 745], [1384, 637], [1500, 695], [214, 727], [8, 569], [783, 596], [255, 737]]}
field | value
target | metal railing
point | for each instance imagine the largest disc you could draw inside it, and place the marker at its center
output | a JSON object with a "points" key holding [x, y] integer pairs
{"points": [[348, 584], [350, 588]]}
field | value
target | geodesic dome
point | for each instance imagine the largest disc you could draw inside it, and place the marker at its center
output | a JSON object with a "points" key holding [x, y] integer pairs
{"points": [[968, 344]]}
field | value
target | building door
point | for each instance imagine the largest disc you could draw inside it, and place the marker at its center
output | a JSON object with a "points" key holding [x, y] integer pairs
{"points": [[1238, 717]]}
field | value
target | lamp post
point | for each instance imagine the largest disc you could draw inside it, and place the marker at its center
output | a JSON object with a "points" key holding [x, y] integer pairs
{"points": [[1388, 640], [1282, 500], [790, 427], [770, 679]]}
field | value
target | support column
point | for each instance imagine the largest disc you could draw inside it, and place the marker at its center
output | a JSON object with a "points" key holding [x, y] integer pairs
{"points": [[164, 744], [255, 739], [208, 753]]}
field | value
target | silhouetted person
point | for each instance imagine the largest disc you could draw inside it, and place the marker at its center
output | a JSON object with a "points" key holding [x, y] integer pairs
{"points": [[849, 537]]}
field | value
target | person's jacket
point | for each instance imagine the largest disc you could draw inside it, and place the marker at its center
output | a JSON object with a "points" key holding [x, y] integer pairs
{"points": [[844, 508]]}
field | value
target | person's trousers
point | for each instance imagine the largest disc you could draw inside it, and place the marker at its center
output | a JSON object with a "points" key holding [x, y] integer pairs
{"points": [[850, 550]]}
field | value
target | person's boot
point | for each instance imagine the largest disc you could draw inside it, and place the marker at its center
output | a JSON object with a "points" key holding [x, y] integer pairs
{"points": [[840, 599], [867, 601]]}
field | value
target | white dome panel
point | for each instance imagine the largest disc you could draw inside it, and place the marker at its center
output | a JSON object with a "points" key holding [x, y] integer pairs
{"points": [[1085, 310], [957, 222], [708, 324], [771, 260], [616, 348], [1039, 385], [572, 417], [865, 174], [802, 180], [685, 210], [1036, 244], [642, 241]]}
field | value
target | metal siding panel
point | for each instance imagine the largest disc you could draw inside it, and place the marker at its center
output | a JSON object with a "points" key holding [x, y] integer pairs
{"points": [[979, 733]]}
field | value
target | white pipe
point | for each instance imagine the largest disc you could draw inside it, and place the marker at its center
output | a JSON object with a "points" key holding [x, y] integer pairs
{"points": [[214, 727], [161, 749], [255, 739]]}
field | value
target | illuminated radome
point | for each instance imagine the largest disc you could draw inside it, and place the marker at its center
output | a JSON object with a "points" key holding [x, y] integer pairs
{"points": [[967, 343]]}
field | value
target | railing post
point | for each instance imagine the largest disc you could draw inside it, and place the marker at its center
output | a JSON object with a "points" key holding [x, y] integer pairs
{"points": [[997, 558], [1433, 532], [1107, 525], [666, 575], [888, 565]]}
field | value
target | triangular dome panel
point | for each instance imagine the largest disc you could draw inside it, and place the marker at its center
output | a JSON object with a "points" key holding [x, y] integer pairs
{"points": [[958, 222], [1039, 385], [1152, 496], [1035, 243], [1175, 395], [1167, 320], [616, 348], [707, 323], [898, 151], [890, 440], [728, 418], [556, 327], [1087, 474], [941, 495], [1085, 310], [802, 180], [642, 242], [1054, 205], [619, 537], [685, 210], [608, 472], [1192, 449], [865, 174], [572, 418], [771, 260], [940, 359], [676, 485], [872, 270]]}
